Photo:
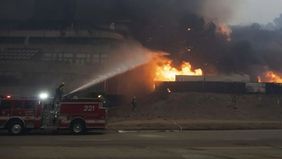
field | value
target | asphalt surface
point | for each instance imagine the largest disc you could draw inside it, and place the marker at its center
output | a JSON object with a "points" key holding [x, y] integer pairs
{"points": [[245, 144]]}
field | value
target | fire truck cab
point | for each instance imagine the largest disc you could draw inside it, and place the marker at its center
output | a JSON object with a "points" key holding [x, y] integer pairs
{"points": [[78, 115]]}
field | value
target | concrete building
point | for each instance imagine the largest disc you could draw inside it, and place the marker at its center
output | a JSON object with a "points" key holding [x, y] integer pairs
{"points": [[36, 60]]}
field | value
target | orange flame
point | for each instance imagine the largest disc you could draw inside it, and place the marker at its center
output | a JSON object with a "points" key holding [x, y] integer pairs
{"points": [[225, 31], [270, 76], [166, 72]]}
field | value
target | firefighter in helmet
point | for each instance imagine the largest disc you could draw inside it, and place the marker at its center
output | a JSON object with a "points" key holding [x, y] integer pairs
{"points": [[134, 103], [59, 93], [57, 98], [101, 98]]}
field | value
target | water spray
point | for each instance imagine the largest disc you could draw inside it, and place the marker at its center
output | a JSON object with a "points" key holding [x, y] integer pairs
{"points": [[137, 57]]}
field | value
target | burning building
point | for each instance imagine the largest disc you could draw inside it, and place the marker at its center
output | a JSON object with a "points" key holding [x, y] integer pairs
{"points": [[184, 78], [75, 43]]}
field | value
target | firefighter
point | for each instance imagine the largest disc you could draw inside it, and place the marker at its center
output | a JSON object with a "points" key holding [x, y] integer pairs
{"points": [[59, 93], [57, 98], [101, 99], [134, 103], [104, 99]]}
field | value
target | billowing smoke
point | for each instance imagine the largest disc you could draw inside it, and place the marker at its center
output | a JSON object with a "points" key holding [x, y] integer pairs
{"points": [[261, 47], [191, 30], [252, 50], [195, 31]]}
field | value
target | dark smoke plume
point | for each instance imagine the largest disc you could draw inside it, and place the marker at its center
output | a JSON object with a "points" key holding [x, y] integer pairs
{"points": [[191, 34], [188, 29]]}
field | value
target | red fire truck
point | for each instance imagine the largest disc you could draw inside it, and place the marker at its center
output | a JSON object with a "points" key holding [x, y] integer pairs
{"points": [[78, 115]]}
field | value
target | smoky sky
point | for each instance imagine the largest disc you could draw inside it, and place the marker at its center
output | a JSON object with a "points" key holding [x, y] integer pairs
{"points": [[257, 11], [107, 9]]}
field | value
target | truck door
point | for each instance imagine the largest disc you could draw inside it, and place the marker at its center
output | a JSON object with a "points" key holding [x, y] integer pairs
{"points": [[28, 108], [5, 111], [38, 114]]}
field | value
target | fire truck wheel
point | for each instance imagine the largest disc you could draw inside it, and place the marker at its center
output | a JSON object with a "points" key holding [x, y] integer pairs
{"points": [[78, 127], [15, 128]]}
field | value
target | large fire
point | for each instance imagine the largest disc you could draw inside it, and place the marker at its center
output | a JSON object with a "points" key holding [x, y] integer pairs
{"points": [[270, 76], [166, 72]]}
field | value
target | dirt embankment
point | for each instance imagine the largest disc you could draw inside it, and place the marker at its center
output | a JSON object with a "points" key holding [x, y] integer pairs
{"points": [[200, 111]]}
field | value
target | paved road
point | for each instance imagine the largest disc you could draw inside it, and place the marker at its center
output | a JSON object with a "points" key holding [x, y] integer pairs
{"points": [[251, 144]]}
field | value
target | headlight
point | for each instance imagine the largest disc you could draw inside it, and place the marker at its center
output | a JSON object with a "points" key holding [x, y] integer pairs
{"points": [[43, 96]]}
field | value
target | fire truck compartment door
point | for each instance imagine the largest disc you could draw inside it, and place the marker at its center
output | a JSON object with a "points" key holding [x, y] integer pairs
{"points": [[26, 110], [5, 111]]}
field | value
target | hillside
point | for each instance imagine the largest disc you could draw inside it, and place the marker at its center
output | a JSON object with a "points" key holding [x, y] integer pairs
{"points": [[200, 111]]}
